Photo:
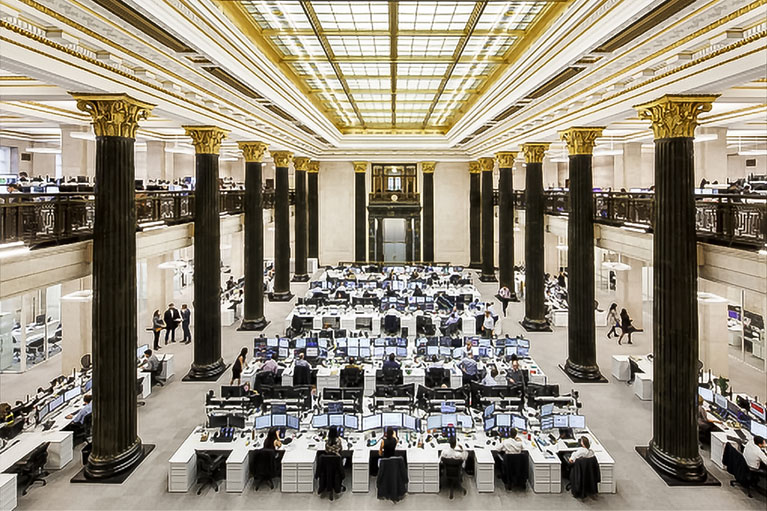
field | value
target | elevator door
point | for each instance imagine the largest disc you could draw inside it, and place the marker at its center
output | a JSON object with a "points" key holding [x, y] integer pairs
{"points": [[394, 240]]}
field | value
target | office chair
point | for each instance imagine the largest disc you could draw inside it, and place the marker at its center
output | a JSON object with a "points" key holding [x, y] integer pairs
{"points": [[391, 376], [211, 468], [329, 474], [82, 433], [265, 378], [736, 465], [391, 324], [265, 466], [156, 374], [435, 377], [31, 469], [453, 471], [514, 470], [351, 377], [139, 390], [302, 375], [392, 479], [584, 477], [425, 326], [85, 362]]}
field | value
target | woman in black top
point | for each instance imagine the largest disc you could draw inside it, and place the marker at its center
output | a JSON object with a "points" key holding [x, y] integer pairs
{"points": [[238, 365], [388, 443], [333, 443], [273, 439], [626, 326]]}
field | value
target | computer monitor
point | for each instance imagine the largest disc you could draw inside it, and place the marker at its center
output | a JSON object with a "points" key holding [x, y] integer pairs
{"points": [[401, 352], [272, 342], [279, 420], [489, 423], [706, 394], [447, 407], [218, 421], [465, 421], [282, 352], [232, 391], [364, 351], [432, 351], [503, 420], [320, 421], [265, 421], [335, 420], [547, 422], [409, 422], [391, 419], [720, 401], [758, 429], [293, 422], [560, 421], [335, 407], [449, 419], [489, 410], [279, 408], [576, 421], [547, 409], [236, 421], [300, 344], [56, 403], [42, 412], [757, 410], [351, 421], [519, 423], [72, 394], [434, 422], [140, 351], [88, 385], [371, 422]]}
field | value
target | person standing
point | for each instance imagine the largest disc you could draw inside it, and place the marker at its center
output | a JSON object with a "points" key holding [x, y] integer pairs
{"points": [[172, 319], [158, 325], [626, 326], [239, 364], [505, 296], [186, 320], [613, 320], [488, 324]]}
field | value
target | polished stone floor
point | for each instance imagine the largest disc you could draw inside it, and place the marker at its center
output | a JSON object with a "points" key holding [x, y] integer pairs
{"points": [[616, 416]]}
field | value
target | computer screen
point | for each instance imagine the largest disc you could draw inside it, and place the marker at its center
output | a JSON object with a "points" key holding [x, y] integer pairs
{"points": [[720, 401], [272, 342], [490, 410], [319, 421], [560, 421], [88, 385], [279, 408], [389, 350], [510, 350], [465, 421], [447, 407], [72, 394], [218, 421], [336, 420], [489, 423], [56, 403], [391, 419], [279, 420], [757, 410], [409, 422], [140, 351], [236, 421], [577, 421], [432, 350], [434, 422], [300, 344], [263, 422], [547, 423], [283, 352], [312, 352], [547, 409], [758, 429], [401, 352], [706, 394], [371, 422], [503, 420], [322, 343], [42, 412], [351, 421], [444, 351], [293, 422], [380, 341], [519, 422], [378, 351], [365, 351], [449, 419], [335, 407]]}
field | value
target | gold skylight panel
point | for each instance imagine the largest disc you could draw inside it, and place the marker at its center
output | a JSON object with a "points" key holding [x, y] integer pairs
{"points": [[277, 15], [359, 46], [381, 98], [298, 46], [459, 82], [323, 83], [313, 68], [488, 46], [509, 15], [426, 46], [350, 69], [337, 15], [418, 97], [474, 68], [442, 15]]}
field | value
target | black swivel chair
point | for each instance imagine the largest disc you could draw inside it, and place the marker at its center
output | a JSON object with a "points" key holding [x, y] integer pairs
{"points": [[391, 324], [329, 474], [351, 377], [211, 468], [85, 362], [31, 469], [514, 470], [156, 374], [435, 377], [265, 466], [392, 479], [736, 466], [265, 378], [585, 477], [425, 326], [390, 376], [302, 375], [453, 471], [83, 433]]}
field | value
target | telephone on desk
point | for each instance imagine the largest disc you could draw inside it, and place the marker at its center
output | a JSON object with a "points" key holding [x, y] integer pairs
{"points": [[224, 435]]}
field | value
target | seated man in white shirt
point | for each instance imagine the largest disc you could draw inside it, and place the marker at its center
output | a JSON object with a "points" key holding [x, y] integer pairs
{"points": [[488, 325], [754, 454], [78, 420], [453, 451], [490, 378], [584, 451], [512, 444], [435, 362]]}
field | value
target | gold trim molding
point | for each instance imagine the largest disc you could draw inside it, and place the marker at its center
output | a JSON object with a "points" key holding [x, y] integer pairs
{"points": [[505, 159], [675, 116], [301, 163], [253, 151], [474, 167], [206, 139], [580, 140], [535, 152], [486, 164], [282, 159], [114, 115], [427, 167], [313, 167], [360, 167]]}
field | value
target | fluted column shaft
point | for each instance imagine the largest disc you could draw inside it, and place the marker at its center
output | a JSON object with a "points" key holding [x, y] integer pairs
{"points": [[428, 211], [314, 211], [506, 222], [475, 216], [488, 222], [360, 217], [300, 220], [281, 291]]}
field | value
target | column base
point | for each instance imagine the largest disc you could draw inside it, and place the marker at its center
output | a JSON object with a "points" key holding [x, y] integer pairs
{"points": [[690, 470], [253, 324], [583, 374], [284, 296], [102, 469], [535, 325], [488, 278], [208, 372], [300, 278]]}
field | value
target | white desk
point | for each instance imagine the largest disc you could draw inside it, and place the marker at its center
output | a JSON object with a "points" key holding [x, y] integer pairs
{"points": [[423, 470], [60, 448], [718, 442], [621, 369], [146, 383], [168, 369], [8, 492]]}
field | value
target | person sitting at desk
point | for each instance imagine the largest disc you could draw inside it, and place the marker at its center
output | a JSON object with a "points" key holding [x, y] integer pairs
{"points": [[301, 361], [333, 443], [489, 306], [150, 362], [489, 379], [271, 364], [273, 439], [78, 419], [391, 363], [754, 454], [388, 443], [468, 367], [512, 444], [451, 323], [353, 364], [515, 375], [704, 424], [453, 451], [417, 291], [584, 451], [488, 325], [435, 363]]}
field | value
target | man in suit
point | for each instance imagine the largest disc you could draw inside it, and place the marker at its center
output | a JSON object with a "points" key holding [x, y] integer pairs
{"points": [[186, 319], [172, 319]]}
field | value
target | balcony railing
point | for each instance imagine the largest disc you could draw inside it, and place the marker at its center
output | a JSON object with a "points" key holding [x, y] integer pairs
{"points": [[42, 219]]}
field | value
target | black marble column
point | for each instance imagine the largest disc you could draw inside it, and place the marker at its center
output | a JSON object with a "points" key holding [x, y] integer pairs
{"points": [[301, 165], [475, 216], [281, 291], [535, 310], [253, 317], [674, 446], [581, 331], [379, 240], [116, 445], [488, 222], [506, 222], [427, 167], [314, 211], [207, 363], [360, 202]]}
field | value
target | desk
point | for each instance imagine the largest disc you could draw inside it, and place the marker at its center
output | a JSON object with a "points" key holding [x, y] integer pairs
{"points": [[484, 470], [621, 369], [60, 448], [8, 492], [719, 440], [423, 470], [146, 383], [168, 369]]}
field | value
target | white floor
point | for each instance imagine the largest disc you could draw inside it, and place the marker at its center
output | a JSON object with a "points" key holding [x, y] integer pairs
{"points": [[619, 419]]}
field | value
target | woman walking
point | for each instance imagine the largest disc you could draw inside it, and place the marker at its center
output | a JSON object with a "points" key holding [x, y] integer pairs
{"points": [[613, 320], [627, 327]]}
